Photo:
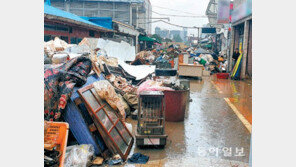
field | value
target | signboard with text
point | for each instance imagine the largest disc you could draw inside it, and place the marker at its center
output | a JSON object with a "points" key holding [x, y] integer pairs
{"points": [[242, 11], [208, 30], [223, 11]]}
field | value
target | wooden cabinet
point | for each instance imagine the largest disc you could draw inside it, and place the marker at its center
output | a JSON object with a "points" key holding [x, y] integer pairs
{"points": [[191, 70]]}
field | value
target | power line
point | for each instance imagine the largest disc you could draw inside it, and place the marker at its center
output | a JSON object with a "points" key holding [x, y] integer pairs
{"points": [[173, 9], [194, 27], [179, 15]]}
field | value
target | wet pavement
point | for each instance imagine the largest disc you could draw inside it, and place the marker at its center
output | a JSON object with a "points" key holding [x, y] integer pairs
{"points": [[239, 93], [211, 134]]}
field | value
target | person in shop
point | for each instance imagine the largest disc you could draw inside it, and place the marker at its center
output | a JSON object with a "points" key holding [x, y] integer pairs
{"points": [[235, 56]]}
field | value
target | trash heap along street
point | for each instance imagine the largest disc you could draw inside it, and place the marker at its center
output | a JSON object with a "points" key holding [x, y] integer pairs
{"points": [[111, 101]]}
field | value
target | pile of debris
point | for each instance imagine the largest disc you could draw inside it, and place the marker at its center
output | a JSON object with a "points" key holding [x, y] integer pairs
{"points": [[91, 93], [143, 57]]}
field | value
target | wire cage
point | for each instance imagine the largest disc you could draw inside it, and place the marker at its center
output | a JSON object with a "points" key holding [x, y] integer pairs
{"points": [[151, 113]]}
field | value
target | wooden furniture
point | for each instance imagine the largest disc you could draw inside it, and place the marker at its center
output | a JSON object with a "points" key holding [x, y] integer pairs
{"points": [[112, 129], [191, 70]]}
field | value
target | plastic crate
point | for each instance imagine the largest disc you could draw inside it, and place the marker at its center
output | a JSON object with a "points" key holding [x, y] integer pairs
{"points": [[222, 75], [57, 134]]}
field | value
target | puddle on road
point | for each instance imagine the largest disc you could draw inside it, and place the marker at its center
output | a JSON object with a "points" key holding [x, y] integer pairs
{"points": [[209, 126]]}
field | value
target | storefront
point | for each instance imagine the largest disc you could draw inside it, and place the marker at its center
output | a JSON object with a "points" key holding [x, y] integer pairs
{"points": [[241, 37]]}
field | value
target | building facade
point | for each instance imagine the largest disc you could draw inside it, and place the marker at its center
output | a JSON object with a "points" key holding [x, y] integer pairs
{"points": [[175, 33], [162, 33], [69, 27], [132, 12], [240, 31], [241, 34]]}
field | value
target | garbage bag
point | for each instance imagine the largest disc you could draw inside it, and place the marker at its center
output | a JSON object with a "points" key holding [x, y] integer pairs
{"points": [[79, 155], [107, 92], [60, 58]]}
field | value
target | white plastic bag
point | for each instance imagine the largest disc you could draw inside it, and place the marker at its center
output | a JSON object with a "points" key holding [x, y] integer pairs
{"points": [[79, 155], [60, 58]]}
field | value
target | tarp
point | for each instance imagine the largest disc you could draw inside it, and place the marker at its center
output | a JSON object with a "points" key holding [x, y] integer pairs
{"points": [[121, 50], [139, 71], [237, 67]]}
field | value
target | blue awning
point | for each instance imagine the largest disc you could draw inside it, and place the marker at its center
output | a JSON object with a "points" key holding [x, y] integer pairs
{"points": [[102, 21], [61, 13]]}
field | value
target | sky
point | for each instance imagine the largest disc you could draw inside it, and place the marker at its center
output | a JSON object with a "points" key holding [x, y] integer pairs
{"points": [[197, 7]]}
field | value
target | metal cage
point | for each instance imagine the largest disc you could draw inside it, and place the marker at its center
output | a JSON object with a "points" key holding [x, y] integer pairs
{"points": [[151, 113]]}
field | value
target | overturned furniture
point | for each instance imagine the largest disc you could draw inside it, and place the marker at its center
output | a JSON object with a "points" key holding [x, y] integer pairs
{"points": [[112, 129], [81, 123], [151, 119]]}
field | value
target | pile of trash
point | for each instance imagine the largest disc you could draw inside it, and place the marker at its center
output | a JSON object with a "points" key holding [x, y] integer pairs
{"points": [[211, 62], [58, 51], [143, 57], [85, 87]]}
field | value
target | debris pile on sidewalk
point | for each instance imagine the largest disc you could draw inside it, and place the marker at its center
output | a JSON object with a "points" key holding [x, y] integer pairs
{"points": [[92, 92], [143, 57]]}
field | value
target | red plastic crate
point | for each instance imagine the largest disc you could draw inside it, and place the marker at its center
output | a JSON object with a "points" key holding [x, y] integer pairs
{"points": [[222, 75]]}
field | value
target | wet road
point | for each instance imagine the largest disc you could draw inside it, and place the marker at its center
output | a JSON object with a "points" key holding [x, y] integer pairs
{"points": [[239, 94], [211, 134]]}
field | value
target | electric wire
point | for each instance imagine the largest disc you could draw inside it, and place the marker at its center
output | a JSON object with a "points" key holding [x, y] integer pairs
{"points": [[179, 15]]}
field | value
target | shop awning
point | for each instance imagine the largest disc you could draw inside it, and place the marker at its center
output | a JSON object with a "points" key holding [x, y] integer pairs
{"points": [[147, 39]]}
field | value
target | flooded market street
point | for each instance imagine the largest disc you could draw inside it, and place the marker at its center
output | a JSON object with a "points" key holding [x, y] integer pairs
{"points": [[211, 134], [124, 89]]}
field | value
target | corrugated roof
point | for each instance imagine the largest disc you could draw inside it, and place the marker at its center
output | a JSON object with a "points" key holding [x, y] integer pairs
{"points": [[60, 13]]}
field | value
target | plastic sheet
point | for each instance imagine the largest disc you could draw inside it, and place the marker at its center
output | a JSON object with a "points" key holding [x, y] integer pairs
{"points": [[151, 85], [140, 71], [123, 51], [79, 155], [60, 58]]}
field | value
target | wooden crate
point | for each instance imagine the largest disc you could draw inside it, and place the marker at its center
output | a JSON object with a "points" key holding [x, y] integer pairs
{"points": [[191, 70]]}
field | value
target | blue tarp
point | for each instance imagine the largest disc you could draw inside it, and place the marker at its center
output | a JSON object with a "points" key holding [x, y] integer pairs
{"points": [[102, 21], [58, 12]]}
